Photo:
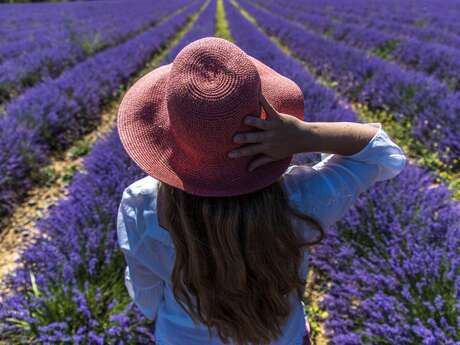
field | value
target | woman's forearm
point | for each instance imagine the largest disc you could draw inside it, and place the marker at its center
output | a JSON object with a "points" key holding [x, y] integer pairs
{"points": [[343, 138]]}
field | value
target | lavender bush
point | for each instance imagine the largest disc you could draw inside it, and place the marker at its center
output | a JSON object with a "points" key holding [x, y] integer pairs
{"points": [[69, 286], [425, 14], [396, 268], [25, 28], [51, 115], [434, 59], [72, 43], [21, 154], [350, 15]]}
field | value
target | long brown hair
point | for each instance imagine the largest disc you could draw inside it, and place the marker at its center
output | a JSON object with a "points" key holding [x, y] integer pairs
{"points": [[238, 257]]}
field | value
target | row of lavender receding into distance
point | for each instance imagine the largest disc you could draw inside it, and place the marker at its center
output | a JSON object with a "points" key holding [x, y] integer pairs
{"points": [[203, 27], [391, 259], [431, 58], [27, 27], [52, 115], [71, 42], [430, 33], [410, 96], [429, 14], [78, 293]]}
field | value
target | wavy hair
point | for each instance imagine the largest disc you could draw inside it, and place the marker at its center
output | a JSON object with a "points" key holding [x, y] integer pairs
{"points": [[237, 258]]}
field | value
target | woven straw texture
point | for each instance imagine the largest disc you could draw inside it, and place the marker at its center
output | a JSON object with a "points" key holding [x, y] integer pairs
{"points": [[177, 121]]}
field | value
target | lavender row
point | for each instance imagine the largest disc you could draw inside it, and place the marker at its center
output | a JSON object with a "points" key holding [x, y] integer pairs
{"points": [[27, 32], [437, 60], [69, 270], [382, 250], [410, 96], [50, 116], [349, 15], [203, 27], [31, 67], [396, 268], [64, 23], [431, 34], [22, 20], [429, 14], [81, 280]]}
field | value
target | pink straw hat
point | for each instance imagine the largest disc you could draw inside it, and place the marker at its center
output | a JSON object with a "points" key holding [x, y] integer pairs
{"points": [[177, 122]]}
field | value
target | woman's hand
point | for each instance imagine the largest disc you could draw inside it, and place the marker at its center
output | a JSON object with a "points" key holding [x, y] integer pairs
{"points": [[279, 138]]}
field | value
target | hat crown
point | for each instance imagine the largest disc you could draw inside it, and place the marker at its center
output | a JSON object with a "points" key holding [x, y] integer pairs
{"points": [[212, 83]]}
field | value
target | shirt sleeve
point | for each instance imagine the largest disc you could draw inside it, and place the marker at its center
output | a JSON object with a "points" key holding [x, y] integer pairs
{"points": [[329, 188], [145, 286]]}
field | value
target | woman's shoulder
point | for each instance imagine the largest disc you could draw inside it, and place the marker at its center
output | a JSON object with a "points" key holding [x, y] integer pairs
{"points": [[145, 186], [141, 197], [141, 193]]}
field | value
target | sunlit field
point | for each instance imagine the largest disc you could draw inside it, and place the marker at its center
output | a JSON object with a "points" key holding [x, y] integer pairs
{"points": [[387, 273]]}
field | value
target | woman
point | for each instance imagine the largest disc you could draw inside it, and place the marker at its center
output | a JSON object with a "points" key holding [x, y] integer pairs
{"points": [[215, 235]]}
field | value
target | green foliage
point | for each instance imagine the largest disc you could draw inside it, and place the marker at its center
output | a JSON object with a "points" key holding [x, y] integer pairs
{"points": [[222, 29], [317, 285], [80, 148], [328, 32], [401, 132], [46, 176], [245, 13], [421, 23], [69, 173], [90, 43], [384, 51], [33, 164], [407, 93], [315, 315], [58, 303], [6, 91], [29, 80]]}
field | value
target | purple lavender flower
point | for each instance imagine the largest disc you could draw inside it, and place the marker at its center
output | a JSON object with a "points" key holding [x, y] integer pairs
{"points": [[53, 114]]}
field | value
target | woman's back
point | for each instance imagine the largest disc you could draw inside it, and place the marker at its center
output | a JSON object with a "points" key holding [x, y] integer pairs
{"points": [[150, 266], [323, 192]]}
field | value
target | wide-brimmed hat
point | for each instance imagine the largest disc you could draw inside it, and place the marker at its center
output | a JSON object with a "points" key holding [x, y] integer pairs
{"points": [[177, 122]]}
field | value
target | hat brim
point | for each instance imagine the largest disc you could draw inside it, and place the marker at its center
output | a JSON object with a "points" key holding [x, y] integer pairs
{"points": [[144, 129]]}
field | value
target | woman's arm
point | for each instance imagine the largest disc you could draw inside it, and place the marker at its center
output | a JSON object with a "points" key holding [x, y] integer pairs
{"points": [[283, 135], [144, 278], [343, 138], [361, 154], [326, 190]]}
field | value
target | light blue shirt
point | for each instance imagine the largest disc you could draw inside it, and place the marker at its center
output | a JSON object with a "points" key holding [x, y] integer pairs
{"points": [[324, 191]]}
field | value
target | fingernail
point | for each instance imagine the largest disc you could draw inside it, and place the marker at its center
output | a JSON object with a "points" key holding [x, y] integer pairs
{"points": [[232, 154], [236, 138]]}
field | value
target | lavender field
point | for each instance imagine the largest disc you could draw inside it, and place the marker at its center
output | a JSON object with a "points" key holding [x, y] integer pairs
{"points": [[387, 273]]}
